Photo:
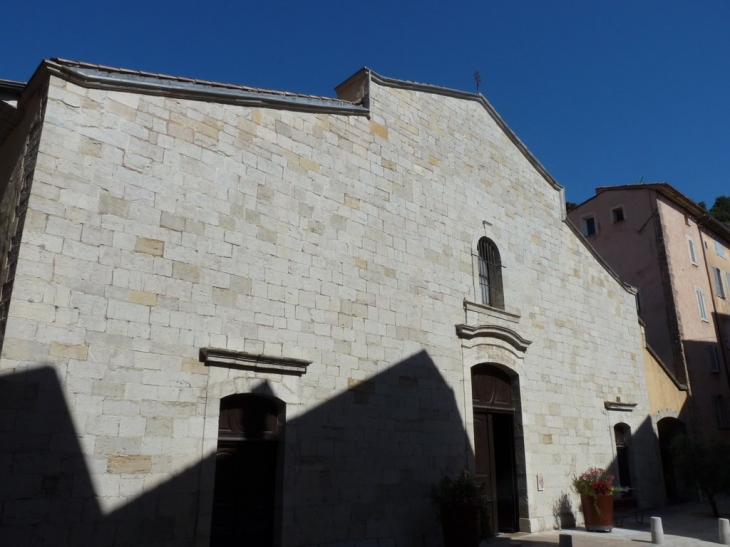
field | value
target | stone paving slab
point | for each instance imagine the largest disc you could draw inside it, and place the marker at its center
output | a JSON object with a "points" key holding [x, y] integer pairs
{"points": [[685, 525]]}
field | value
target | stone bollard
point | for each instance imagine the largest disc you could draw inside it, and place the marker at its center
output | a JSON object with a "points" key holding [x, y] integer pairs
{"points": [[724, 529], [566, 540], [657, 532]]}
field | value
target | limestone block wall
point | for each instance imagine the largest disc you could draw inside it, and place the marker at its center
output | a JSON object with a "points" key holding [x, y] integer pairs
{"points": [[161, 226], [586, 347]]}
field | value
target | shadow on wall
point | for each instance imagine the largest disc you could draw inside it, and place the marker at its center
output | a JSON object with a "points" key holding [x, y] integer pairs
{"points": [[633, 468], [359, 467]]}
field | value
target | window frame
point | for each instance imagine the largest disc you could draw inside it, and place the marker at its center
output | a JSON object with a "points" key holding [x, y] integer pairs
{"points": [[614, 210], [489, 261], [701, 304], [584, 224]]}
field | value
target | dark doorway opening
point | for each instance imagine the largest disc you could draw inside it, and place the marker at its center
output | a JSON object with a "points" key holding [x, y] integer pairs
{"points": [[494, 445], [244, 499], [622, 435], [669, 429]]}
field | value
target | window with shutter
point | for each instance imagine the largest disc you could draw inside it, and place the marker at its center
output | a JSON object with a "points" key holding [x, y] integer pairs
{"points": [[692, 254], [701, 303], [719, 289], [713, 358], [719, 249], [722, 411]]}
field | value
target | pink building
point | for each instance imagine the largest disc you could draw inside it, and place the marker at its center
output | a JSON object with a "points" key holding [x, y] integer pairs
{"points": [[678, 257]]}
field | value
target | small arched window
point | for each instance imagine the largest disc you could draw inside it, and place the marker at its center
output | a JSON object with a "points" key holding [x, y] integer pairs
{"points": [[490, 274]]}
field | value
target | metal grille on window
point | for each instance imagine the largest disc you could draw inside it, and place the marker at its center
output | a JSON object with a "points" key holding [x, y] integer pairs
{"points": [[490, 274]]}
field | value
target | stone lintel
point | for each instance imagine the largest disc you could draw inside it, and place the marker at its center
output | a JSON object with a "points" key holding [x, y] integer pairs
{"points": [[619, 407], [215, 357]]}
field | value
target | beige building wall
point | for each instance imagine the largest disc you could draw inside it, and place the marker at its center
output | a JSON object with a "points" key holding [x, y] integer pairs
{"points": [[159, 226], [698, 334], [716, 250]]}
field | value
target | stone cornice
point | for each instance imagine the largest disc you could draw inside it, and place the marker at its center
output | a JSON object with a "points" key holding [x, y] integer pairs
{"points": [[114, 79], [216, 357], [490, 311], [493, 331], [618, 406]]}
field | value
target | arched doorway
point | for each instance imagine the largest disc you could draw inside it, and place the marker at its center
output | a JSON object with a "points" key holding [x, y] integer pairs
{"points": [[669, 429], [494, 412], [244, 498], [622, 435]]}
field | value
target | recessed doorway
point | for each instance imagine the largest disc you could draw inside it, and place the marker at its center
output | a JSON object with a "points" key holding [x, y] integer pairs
{"points": [[244, 499], [494, 439]]}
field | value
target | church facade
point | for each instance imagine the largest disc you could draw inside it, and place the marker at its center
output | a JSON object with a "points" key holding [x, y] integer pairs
{"points": [[234, 313]]}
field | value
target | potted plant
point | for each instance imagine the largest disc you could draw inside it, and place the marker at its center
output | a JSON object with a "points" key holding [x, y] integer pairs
{"points": [[462, 509], [596, 490]]}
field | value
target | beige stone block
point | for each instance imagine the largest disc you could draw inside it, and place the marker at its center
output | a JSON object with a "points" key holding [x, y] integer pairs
{"points": [[378, 130], [308, 164], [90, 147], [186, 272], [159, 427], [194, 366], [241, 285], [72, 351], [113, 206], [353, 203], [123, 110], [145, 298], [224, 297], [360, 263], [137, 464], [172, 222], [267, 235], [148, 246]]}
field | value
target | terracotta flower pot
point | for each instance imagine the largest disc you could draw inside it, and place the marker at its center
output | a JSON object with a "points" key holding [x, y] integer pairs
{"points": [[598, 512], [460, 526]]}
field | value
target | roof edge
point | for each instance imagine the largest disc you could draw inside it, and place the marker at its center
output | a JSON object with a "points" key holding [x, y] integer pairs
{"points": [[11, 90], [465, 95], [108, 79], [704, 218], [679, 385], [628, 288]]}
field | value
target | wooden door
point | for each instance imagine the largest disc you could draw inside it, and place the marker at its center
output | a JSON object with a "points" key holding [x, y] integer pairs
{"points": [[484, 459], [494, 445], [245, 475]]}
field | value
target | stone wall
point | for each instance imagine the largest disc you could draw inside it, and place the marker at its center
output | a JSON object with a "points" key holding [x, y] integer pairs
{"points": [[159, 226]]}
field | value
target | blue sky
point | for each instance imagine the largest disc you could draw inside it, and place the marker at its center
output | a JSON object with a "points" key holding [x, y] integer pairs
{"points": [[602, 92]]}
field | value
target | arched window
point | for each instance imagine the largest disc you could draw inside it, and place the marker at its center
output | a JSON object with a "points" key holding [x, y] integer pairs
{"points": [[490, 274]]}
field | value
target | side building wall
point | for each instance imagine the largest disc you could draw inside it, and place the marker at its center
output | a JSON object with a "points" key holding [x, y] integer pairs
{"points": [[159, 227], [698, 334]]}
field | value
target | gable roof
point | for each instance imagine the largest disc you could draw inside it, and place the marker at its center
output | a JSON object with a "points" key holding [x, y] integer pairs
{"points": [[121, 79], [371, 76], [670, 192]]}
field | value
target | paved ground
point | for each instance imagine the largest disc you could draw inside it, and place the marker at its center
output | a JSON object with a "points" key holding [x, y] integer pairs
{"points": [[685, 525]]}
